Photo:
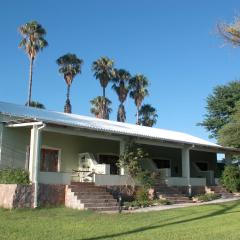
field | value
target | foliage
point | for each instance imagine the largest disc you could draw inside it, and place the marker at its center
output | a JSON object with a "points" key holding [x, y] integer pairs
{"points": [[220, 105], [147, 115], [33, 38], [131, 159], [16, 176], [36, 104], [207, 197], [229, 134], [101, 107], [146, 203], [201, 223], [69, 66], [230, 32], [103, 71], [146, 178], [142, 194], [231, 178], [138, 91], [121, 88]]}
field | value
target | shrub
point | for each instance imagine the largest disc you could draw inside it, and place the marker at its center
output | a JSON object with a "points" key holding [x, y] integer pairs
{"points": [[142, 194], [207, 197], [231, 178], [146, 179], [14, 176]]}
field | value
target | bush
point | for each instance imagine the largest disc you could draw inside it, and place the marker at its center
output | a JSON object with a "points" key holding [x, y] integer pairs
{"points": [[142, 195], [207, 197], [231, 178], [146, 179], [14, 176]]}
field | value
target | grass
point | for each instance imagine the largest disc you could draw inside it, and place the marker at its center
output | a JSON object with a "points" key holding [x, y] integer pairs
{"points": [[219, 221]]}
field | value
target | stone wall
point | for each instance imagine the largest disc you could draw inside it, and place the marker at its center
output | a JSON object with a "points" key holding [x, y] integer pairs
{"points": [[16, 196], [51, 194], [21, 196]]}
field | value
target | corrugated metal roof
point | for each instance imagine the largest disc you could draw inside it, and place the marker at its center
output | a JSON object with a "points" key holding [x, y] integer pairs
{"points": [[100, 124]]}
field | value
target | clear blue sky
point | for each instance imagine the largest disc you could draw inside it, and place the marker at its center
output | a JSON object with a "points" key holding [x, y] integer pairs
{"points": [[173, 43]]}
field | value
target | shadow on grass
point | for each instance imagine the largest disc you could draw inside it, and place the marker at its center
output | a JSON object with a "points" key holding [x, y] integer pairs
{"points": [[224, 210]]}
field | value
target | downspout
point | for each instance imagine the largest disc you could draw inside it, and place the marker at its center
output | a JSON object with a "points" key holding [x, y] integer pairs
{"points": [[37, 147]]}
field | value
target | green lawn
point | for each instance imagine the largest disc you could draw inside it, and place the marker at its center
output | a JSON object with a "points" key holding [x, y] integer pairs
{"points": [[218, 222]]}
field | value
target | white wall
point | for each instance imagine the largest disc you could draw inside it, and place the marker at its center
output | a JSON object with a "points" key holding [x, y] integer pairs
{"points": [[113, 180], [178, 181], [54, 177]]}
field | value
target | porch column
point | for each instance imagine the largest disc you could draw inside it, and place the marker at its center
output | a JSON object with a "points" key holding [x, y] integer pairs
{"points": [[186, 167], [34, 161], [121, 152]]}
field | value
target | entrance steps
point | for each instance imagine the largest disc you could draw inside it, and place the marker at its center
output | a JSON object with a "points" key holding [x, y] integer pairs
{"points": [[172, 194], [88, 196]]}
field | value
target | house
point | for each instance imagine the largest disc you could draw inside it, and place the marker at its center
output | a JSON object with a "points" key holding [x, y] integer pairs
{"points": [[58, 148]]}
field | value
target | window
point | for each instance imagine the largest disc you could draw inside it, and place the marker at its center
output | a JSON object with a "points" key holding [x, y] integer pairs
{"points": [[162, 163], [203, 166], [49, 160]]}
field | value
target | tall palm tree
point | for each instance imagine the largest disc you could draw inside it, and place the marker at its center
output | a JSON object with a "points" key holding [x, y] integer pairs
{"points": [[121, 88], [101, 107], [147, 115], [33, 41], [69, 66], [103, 71], [138, 91]]}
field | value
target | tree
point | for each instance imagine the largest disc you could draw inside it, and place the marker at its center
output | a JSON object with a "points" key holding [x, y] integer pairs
{"points": [[103, 71], [101, 107], [33, 41], [230, 32], [220, 105], [69, 66], [36, 104], [147, 115], [229, 134], [138, 91], [121, 88]]}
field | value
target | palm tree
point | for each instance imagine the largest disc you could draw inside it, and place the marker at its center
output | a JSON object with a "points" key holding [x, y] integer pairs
{"points": [[36, 104], [103, 71], [138, 91], [121, 88], [147, 115], [69, 66], [101, 107], [33, 41]]}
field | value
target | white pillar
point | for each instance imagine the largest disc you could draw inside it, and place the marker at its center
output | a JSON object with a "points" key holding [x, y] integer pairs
{"points": [[34, 161], [186, 167], [121, 152]]}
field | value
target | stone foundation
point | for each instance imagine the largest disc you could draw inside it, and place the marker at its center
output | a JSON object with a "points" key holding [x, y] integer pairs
{"points": [[21, 196], [16, 196], [51, 194]]}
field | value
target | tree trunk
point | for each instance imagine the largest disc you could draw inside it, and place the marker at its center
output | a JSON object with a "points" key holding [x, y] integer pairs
{"points": [[104, 92], [137, 115], [30, 82], [68, 107]]}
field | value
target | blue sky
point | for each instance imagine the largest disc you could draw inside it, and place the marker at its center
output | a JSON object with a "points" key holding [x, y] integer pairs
{"points": [[173, 43]]}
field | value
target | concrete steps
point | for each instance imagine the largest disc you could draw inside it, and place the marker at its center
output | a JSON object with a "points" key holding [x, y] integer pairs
{"points": [[171, 194], [89, 196]]}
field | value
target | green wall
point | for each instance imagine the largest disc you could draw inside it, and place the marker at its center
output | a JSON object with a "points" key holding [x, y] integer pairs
{"points": [[14, 147], [72, 145]]}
